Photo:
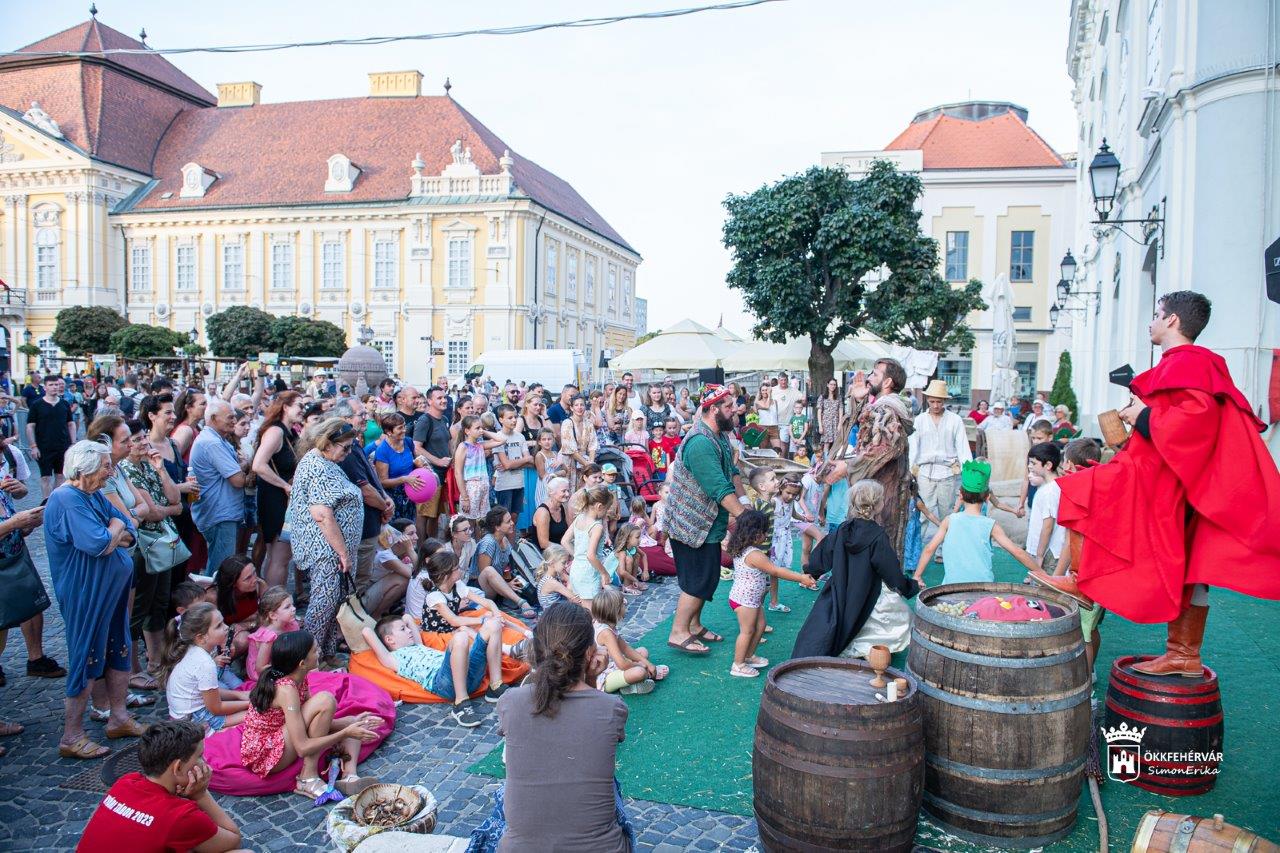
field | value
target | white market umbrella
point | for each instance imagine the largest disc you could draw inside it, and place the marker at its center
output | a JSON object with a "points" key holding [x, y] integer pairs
{"points": [[794, 355], [685, 346], [1004, 378], [725, 335]]}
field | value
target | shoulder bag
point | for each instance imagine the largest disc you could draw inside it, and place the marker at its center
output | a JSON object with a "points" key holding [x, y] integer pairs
{"points": [[24, 592], [162, 551]]}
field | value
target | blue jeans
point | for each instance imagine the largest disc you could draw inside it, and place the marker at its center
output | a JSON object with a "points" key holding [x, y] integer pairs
{"points": [[221, 539], [477, 668], [511, 499]]}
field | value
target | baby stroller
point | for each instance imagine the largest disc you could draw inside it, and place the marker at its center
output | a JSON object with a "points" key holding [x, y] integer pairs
{"points": [[642, 482], [621, 459]]}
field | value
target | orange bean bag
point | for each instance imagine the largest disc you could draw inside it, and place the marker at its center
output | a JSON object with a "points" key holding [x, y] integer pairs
{"points": [[366, 665]]}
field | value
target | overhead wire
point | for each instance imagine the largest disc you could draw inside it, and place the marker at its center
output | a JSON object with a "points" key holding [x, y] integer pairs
{"points": [[520, 29]]}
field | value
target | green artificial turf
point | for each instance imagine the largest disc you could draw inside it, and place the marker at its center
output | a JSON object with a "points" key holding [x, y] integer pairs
{"points": [[689, 742]]}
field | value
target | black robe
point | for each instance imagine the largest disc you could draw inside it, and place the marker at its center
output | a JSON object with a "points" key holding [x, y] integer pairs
{"points": [[859, 556]]}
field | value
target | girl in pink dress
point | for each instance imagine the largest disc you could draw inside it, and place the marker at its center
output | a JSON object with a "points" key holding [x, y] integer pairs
{"points": [[276, 616], [285, 721]]}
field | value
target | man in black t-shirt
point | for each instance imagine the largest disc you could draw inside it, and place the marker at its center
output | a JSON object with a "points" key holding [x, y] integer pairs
{"points": [[50, 431], [431, 440]]}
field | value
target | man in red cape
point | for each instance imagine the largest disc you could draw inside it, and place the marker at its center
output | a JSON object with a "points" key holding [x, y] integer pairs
{"points": [[1191, 501]]}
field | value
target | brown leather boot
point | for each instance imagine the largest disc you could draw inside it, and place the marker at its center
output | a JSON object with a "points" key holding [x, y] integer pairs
{"points": [[1065, 584], [1182, 649]]}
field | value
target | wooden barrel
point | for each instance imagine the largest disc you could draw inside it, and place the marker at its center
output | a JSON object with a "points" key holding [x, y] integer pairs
{"points": [[833, 767], [1163, 832], [1181, 718], [1006, 716]]}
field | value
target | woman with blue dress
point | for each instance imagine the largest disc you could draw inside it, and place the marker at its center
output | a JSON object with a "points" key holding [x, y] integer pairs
{"points": [[88, 541]]}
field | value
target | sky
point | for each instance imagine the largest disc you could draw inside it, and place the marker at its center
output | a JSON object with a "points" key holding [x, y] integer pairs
{"points": [[653, 122]]}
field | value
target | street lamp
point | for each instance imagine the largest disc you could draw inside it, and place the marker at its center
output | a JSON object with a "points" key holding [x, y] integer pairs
{"points": [[1068, 267], [193, 335], [1104, 177]]}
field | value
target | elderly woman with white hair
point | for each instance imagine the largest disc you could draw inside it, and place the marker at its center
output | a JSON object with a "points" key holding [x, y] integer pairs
{"points": [[88, 541], [551, 518]]}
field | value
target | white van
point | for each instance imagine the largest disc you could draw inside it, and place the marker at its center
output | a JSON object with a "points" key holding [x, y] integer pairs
{"points": [[554, 368]]}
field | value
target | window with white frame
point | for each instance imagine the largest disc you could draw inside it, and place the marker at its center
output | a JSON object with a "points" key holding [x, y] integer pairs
{"points": [[140, 266], [612, 285], [571, 275], [332, 265], [185, 267], [282, 266], [232, 266], [384, 263], [47, 274], [387, 347], [459, 263], [49, 352], [957, 256], [1021, 255], [626, 294], [589, 353], [591, 280], [458, 357], [552, 252]]}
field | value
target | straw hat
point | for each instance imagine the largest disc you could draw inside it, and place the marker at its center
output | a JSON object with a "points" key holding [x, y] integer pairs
{"points": [[938, 389]]}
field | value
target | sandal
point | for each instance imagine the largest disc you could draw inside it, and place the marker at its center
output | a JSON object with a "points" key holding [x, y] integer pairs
{"points": [[744, 671], [310, 788], [143, 681], [757, 662], [661, 671], [708, 636], [352, 785], [687, 646], [130, 729], [83, 748], [10, 729], [626, 590]]}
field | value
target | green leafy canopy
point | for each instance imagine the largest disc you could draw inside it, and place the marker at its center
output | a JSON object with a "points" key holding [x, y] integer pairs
{"points": [[140, 341], [239, 332], [83, 330]]}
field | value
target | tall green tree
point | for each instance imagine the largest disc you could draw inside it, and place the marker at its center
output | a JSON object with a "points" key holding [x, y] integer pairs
{"points": [[1061, 394], [82, 330], [925, 312], [805, 250], [140, 341], [239, 332], [300, 337]]}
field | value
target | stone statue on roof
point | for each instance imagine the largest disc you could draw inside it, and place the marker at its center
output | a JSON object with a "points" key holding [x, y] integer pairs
{"points": [[461, 156], [42, 120]]}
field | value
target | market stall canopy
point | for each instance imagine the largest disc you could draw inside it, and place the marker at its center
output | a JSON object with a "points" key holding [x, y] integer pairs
{"points": [[685, 346], [725, 335], [850, 354]]}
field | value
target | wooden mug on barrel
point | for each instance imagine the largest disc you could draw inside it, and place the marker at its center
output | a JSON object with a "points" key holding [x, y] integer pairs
{"points": [[1114, 433]]}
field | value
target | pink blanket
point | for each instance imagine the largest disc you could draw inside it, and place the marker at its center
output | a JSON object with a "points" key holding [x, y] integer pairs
{"points": [[354, 695], [659, 562]]}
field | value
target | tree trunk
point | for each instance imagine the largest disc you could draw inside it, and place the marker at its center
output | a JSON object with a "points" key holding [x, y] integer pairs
{"points": [[821, 368]]}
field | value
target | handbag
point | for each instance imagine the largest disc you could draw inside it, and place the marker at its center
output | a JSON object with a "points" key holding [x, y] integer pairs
{"points": [[352, 617], [162, 551], [24, 592]]}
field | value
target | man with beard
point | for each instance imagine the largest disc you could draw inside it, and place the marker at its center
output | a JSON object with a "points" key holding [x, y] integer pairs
{"points": [[703, 496], [881, 451]]}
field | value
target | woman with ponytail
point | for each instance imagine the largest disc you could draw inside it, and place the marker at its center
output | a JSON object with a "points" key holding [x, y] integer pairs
{"points": [[189, 671], [285, 722], [562, 737]]}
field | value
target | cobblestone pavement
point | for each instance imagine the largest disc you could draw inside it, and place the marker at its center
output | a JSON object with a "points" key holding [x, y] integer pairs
{"points": [[426, 747]]}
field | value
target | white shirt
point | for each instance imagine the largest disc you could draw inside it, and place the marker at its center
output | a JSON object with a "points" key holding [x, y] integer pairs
{"points": [[193, 675], [1045, 506], [20, 462], [936, 446], [997, 423], [784, 399], [415, 596], [436, 597], [1032, 417]]}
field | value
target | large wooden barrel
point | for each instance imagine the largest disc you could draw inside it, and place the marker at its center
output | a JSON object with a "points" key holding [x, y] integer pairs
{"points": [[1006, 716], [1181, 721], [1162, 832], [834, 768]]}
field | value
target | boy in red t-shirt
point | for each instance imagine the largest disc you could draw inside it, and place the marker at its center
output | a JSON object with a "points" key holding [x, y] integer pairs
{"points": [[166, 807], [671, 438]]}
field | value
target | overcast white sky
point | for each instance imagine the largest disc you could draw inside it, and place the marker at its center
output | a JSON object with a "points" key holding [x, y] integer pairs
{"points": [[654, 122]]}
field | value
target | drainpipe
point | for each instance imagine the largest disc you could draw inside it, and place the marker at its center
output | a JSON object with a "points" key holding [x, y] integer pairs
{"points": [[124, 285], [537, 264]]}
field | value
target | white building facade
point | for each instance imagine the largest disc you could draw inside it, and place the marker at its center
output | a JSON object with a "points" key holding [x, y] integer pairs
{"points": [[1185, 93]]}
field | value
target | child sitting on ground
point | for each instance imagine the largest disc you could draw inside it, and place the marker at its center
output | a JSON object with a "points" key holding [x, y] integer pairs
{"points": [[189, 672], [188, 593], [640, 520], [553, 578], [238, 589], [586, 537], [453, 674], [286, 722], [392, 567], [451, 605], [968, 535], [276, 616], [420, 582], [660, 518], [751, 572], [633, 564], [172, 792], [629, 669]]}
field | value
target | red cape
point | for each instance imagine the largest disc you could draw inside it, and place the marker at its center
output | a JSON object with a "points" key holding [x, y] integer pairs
{"points": [[1198, 502]]}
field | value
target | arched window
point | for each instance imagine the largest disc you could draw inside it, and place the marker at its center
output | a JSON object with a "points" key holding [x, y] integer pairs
{"points": [[48, 274]]}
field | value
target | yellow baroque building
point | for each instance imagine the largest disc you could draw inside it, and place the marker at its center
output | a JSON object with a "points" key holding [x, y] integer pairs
{"points": [[397, 216]]}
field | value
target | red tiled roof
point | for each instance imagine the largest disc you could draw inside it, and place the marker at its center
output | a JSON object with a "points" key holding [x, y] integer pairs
{"points": [[275, 154], [998, 142], [102, 105], [92, 36]]}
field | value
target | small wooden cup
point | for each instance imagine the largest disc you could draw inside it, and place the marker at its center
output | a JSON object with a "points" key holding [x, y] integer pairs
{"points": [[1113, 429]]}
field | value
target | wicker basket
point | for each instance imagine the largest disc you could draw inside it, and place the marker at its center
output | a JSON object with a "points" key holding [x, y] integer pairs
{"points": [[346, 831]]}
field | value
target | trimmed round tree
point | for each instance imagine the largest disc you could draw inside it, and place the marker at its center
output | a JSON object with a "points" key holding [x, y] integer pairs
{"points": [[239, 332], [84, 330], [140, 341], [302, 338]]}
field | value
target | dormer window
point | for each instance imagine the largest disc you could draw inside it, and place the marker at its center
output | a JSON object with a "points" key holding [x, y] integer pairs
{"points": [[195, 180], [341, 176]]}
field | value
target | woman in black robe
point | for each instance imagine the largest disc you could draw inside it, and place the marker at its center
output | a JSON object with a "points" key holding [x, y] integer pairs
{"points": [[861, 560]]}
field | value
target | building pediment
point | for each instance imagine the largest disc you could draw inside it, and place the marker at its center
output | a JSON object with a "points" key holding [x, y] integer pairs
{"points": [[23, 146]]}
